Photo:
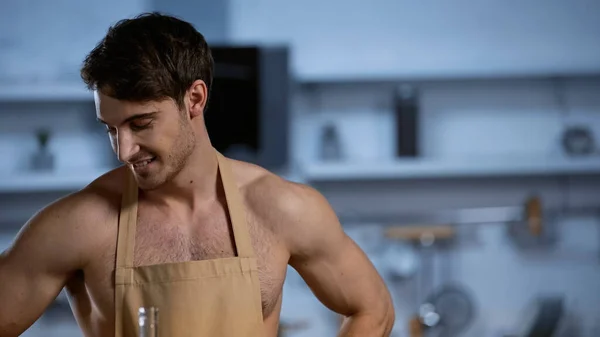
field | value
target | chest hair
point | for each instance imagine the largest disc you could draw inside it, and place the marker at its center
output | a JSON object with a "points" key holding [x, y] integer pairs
{"points": [[162, 240]]}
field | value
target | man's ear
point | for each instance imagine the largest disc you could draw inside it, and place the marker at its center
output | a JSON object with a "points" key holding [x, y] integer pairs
{"points": [[198, 95]]}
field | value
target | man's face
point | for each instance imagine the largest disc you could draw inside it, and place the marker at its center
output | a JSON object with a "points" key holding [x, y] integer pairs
{"points": [[154, 139]]}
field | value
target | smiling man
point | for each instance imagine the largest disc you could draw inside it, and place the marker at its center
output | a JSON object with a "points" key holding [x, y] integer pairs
{"points": [[203, 238]]}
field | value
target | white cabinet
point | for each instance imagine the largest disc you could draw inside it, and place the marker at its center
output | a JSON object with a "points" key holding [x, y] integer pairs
{"points": [[209, 17], [352, 39], [46, 41]]}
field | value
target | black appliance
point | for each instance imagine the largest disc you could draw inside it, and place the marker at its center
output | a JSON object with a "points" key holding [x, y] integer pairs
{"points": [[247, 116], [406, 106]]}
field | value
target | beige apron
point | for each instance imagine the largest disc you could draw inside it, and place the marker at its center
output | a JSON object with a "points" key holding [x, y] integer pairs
{"points": [[205, 298]]}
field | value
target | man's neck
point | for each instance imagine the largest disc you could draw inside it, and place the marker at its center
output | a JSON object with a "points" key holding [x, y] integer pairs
{"points": [[194, 185]]}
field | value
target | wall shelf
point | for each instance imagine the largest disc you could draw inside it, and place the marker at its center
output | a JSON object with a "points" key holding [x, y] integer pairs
{"points": [[33, 182], [45, 93], [48, 182], [387, 78], [448, 169]]}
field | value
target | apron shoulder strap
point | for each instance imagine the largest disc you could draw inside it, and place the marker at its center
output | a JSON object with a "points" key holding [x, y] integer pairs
{"points": [[127, 222], [235, 205], [128, 216]]}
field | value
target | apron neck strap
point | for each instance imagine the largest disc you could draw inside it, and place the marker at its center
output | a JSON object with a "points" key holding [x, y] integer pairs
{"points": [[128, 216], [127, 223], [235, 206]]}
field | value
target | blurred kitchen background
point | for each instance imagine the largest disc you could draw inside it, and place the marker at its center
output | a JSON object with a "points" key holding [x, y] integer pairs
{"points": [[456, 140]]}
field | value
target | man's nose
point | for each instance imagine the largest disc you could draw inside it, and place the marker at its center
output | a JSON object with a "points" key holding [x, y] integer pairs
{"points": [[126, 147]]}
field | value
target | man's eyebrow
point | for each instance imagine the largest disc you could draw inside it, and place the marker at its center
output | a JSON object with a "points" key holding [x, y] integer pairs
{"points": [[132, 118]]}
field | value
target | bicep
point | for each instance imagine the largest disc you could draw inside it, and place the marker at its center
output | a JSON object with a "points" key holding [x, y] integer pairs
{"points": [[33, 271], [342, 277], [25, 293], [335, 268]]}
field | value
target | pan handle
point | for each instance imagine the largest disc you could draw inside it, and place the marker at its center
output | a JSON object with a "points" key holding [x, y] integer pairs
{"points": [[420, 232], [533, 214]]}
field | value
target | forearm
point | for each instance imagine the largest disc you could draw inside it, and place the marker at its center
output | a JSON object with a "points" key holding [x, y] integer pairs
{"points": [[368, 325]]}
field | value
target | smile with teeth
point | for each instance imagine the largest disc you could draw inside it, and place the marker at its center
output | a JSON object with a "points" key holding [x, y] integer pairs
{"points": [[142, 163]]}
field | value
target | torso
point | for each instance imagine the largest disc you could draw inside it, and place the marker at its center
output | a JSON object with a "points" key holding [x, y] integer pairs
{"points": [[163, 238]]}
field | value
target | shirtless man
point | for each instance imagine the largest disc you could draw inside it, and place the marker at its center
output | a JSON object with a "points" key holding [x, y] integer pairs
{"points": [[211, 238]]}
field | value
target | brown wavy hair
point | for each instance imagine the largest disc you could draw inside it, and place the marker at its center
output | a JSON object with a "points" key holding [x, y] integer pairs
{"points": [[150, 57]]}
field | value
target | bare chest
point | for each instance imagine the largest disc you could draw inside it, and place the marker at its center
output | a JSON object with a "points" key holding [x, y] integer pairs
{"points": [[166, 240]]}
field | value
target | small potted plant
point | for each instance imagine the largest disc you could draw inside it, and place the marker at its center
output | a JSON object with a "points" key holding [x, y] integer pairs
{"points": [[43, 159]]}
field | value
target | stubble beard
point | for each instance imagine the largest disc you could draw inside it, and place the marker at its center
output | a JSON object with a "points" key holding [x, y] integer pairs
{"points": [[173, 163]]}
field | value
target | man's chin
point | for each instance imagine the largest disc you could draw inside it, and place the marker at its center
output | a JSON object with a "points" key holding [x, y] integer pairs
{"points": [[148, 187], [148, 183]]}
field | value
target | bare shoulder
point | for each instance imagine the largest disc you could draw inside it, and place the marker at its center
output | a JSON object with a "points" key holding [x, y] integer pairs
{"points": [[76, 223], [299, 214], [89, 205]]}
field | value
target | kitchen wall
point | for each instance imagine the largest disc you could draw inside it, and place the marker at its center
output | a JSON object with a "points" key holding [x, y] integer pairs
{"points": [[384, 38], [347, 55], [346, 65], [466, 122]]}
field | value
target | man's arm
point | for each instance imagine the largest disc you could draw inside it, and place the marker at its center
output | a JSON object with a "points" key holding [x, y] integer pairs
{"points": [[334, 267], [34, 269]]}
